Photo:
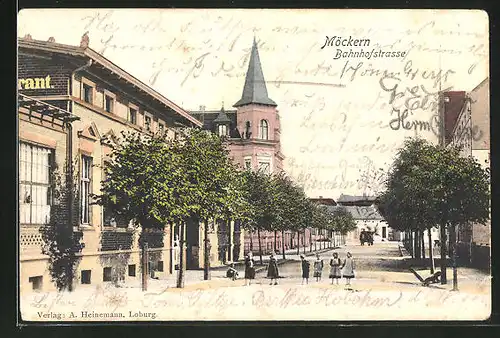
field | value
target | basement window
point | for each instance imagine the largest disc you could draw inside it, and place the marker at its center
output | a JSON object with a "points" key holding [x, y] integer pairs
{"points": [[131, 270], [106, 274], [36, 282], [86, 276]]}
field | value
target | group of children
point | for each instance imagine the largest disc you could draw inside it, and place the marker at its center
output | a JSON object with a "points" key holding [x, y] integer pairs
{"points": [[338, 268]]}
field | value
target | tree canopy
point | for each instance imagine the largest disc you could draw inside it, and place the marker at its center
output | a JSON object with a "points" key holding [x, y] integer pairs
{"points": [[428, 185]]}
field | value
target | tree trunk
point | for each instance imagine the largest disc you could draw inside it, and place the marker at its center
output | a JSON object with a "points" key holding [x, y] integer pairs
{"points": [[229, 240], [260, 245], [206, 256], [275, 241], [304, 237], [291, 240], [316, 240], [251, 241], [412, 244], [171, 267], [144, 268], [422, 243], [283, 242], [310, 241], [298, 242], [431, 254], [453, 254], [442, 229], [418, 252], [180, 276]]}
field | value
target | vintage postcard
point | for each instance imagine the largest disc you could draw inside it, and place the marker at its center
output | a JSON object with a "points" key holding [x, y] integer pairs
{"points": [[253, 164]]}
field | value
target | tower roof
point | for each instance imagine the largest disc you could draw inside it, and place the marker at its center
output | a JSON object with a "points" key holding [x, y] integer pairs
{"points": [[255, 90], [222, 117]]}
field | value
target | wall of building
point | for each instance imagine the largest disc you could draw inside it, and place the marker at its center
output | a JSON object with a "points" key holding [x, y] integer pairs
{"points": [[480, 108], [373, 225], [104, 246]]}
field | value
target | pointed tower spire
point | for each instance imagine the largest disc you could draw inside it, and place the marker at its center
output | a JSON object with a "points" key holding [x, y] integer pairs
{"points": [[255, 90]]}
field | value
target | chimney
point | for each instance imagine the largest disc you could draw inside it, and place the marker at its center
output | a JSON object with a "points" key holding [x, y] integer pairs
{"points": [[321, 197], [202, 108], [84, 42], [28, 37], [51, 39]]}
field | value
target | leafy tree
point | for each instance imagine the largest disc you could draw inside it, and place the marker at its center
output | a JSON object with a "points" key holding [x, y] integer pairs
{"points": [[146, 183], [216, 188], [342, 221], [60, 243], [429, 185], [289, 206], [260, 213]]}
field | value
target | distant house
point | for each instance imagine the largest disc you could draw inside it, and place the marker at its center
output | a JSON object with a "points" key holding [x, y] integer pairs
{"points": [[323, 201], [356, 200], [367, 218]]}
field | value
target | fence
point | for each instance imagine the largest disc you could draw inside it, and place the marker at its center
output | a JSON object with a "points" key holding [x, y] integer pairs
{"points": [[480, 257]]}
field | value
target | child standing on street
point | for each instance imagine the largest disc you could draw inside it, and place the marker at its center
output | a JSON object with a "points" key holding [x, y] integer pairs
{"points": [[305, 269], [249, 268], [272, 269], [318, 268], [335, 268], [348, 270]]}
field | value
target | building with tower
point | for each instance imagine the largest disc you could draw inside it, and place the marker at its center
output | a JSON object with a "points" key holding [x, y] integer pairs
{"points": [[253, 131]]}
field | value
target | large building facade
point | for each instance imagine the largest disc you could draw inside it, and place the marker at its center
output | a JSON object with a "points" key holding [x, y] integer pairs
{"points": [[253, 132], [73, 105], [469, 128]]}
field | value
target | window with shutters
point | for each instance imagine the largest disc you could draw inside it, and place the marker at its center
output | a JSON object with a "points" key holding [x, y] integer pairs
{"points": [[34, 184], [85, 189]]}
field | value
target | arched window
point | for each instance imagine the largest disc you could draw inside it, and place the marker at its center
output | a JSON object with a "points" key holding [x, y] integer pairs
{"points": [[264, 130], [248, 132], [222, 130]]}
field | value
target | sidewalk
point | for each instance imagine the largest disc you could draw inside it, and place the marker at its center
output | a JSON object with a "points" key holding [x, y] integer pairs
{"points": [[290, 254], [218, 274]]}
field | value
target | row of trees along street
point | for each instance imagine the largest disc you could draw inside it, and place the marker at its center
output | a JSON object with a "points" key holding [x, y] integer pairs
{"points": [[429, 186], [157, 181]]}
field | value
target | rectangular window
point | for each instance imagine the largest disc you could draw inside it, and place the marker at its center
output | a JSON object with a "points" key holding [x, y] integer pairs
{"points": [[160, 266], [87, 93], [85, 189], [265, 167], [147, 122], [132, 115], [106, 274], [161, 128], [131, 270], [248, 163], [108, 103], [34, 184], [36, 282], [86, 276]]}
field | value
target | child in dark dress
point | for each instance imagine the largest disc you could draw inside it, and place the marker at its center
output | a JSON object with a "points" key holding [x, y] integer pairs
{"points": [[272, 269], [249, 268], [305, 269]]}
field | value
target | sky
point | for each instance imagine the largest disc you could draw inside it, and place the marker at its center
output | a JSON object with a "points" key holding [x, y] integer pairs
{"points": [[342, 118]]}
